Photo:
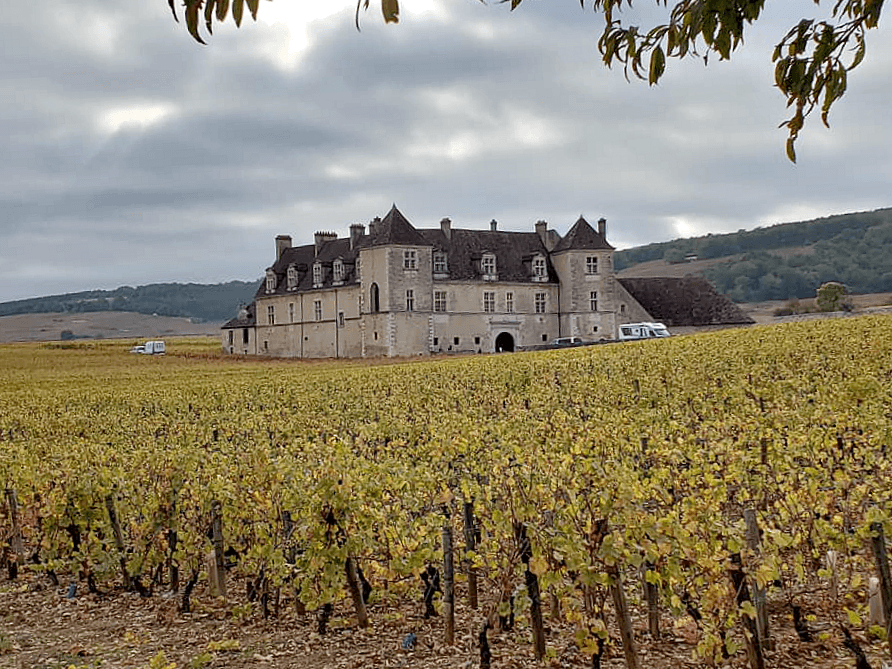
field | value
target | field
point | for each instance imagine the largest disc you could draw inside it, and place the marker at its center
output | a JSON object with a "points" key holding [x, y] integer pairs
{"points": [[603, 492]]}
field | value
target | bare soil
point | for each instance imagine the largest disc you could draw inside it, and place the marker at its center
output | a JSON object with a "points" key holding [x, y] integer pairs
{"points": [[41, 628]]}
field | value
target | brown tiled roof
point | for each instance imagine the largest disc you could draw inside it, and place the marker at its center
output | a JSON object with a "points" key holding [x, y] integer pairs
{"points": [[684, 301], [582, 236]]}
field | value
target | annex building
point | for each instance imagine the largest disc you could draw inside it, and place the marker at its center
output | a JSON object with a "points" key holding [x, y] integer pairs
{"points": [[396, 290]]}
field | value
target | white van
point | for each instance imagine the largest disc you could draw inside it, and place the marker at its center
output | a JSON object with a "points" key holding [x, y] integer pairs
{"points": [[153, 348], [633, 331]]}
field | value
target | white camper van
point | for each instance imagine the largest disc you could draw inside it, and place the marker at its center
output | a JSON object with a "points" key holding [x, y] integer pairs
{"points": [[153, 348], [633, 331]]}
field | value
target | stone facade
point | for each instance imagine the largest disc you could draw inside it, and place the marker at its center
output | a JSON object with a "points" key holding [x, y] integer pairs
{"points": [[395, 290]]}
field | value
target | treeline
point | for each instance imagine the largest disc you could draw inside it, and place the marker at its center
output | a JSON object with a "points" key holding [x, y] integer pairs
{"points": [[851, 248], [200, 302]]}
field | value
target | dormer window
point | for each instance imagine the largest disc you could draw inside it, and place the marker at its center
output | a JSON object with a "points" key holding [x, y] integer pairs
{"points": [[291, 277], [317, 275], [270, 281], [440, 266], [488, 267], [540, 269], [338, 271], [410, 259]]}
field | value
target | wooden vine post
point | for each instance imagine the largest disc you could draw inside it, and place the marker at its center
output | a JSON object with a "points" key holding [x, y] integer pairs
{"points": [[448, 583], [119, 539], [753, 542], [362, 616], [878, 543], [470, 545], [651, 596], [753, 646], [218, 578], [16, 543], [622, 617], [532, 583]]}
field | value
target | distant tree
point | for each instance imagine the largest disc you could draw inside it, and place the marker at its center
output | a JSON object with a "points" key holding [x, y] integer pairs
{"points": [[67, 335], [812, 60], [830, 296], [673, 256]]}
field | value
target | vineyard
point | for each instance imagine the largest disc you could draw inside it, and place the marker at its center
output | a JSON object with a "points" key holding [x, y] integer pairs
{"points": [[589, 501]]}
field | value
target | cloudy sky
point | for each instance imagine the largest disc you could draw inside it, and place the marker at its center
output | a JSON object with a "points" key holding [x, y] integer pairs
{"points": [[130, 154]]}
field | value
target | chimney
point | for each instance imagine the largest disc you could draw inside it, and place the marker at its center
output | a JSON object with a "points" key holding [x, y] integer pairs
{"points": [[493, 225], [357, 230], [283, 243], [602, 228], [373, 225], [542, 231], [446, 228], [320, 238]]}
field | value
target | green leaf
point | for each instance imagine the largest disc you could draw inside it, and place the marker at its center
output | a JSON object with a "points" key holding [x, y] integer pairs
{"points": [[391, 11], [854, 618], [222, 9], [657, 65], [253, 5], [791, 149], [192, 9], [238, 8]]}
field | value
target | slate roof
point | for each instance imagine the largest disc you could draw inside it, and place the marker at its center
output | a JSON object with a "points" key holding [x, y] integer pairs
{"points": [[684, 301], [582, 237], [243, 320], [514, 252], [395, 229], [303, 258]]}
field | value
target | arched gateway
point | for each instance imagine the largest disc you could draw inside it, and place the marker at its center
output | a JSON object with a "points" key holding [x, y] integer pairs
{"points": [[504, 343]]}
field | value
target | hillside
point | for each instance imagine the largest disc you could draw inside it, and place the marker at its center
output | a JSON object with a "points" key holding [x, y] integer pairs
{"points": [[214, 303], [780, 262]]}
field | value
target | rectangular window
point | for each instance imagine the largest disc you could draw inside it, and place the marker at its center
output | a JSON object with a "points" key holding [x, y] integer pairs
{"points": [[622, 308], [231, 337], [436, 341], [489, 301], [291, 312], [477, 340], [271, 315], [410, 300], [455, 341], [317, 275], [410, 259], [338, 270], [317, 309], [440, 263], [539, 267], [509, 302], [341, 319], [540, 303], [591, 265], [245, 335], [593, 300], [488, 265], [440, 300]]}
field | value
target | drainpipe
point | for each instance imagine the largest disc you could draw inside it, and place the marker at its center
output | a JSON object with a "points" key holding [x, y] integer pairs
{"points": [[337, 327]]}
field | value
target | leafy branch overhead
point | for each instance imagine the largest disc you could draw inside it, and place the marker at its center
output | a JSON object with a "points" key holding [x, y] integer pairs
{"points": [[812, 60]]}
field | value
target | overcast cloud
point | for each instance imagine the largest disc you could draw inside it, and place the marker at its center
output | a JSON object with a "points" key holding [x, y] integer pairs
{"points": [[132, 155]]}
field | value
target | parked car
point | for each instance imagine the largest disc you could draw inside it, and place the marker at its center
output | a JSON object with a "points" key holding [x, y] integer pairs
{"points": [[633, 331], [138, 349], [568, 341]]}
